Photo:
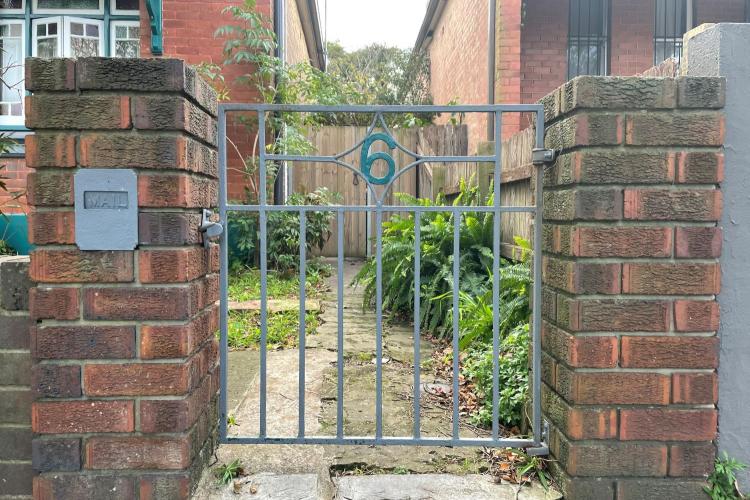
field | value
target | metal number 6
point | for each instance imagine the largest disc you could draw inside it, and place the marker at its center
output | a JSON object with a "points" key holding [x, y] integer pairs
{"points": [[368, 159]]}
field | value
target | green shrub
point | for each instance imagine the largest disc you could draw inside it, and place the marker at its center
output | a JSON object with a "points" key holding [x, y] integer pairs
{"points": [[436, 260], [513, 376], [283, 236]]}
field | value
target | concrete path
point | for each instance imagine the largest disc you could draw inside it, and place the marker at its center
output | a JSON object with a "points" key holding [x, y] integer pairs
{"points": [[346, 472]]}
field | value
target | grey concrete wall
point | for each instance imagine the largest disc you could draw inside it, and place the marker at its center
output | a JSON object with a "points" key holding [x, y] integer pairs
{"points": [[724, 50], [15, 379]]}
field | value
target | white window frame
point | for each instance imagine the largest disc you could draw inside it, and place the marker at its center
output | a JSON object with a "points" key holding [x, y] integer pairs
{"points": [[67, 51], [34, 37], [22, 10], [121, 12], [17, 120], [113, 34], [99, 11]]}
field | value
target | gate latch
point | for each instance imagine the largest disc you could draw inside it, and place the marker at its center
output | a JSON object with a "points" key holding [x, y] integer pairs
{"points": [[541, 156], [209, 228]]}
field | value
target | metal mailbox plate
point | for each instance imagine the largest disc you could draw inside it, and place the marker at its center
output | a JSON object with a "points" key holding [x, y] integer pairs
{"points": [[106, 209]]}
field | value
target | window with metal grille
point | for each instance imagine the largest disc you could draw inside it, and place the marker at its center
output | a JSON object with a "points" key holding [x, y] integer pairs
{"points": [[672, 19], [588, 38]]}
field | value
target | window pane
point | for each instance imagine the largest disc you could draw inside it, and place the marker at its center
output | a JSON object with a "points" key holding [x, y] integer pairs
{"points": [[68, 4], [41, 30], [84, 47], [52, 28], [47, 48], [10, 4], [121, 32], [11, 90], [134, 32], [76, 29], [127, 49], [588, 38], [126, 4], [92, 30]]}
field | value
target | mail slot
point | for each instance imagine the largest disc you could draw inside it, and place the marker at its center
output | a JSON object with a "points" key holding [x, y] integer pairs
{"points": [[106, 209]]}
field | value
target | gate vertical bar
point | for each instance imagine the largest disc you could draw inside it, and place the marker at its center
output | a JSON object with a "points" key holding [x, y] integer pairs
{"points": [[263, 273], [417, 315], [340, 341], [302, 325], [456, 353], [537, 299], [379, 322], [496, 227], [223, 278]]}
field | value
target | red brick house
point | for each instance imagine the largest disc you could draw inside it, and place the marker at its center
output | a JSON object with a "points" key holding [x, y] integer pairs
{"points": [[130, 28], [539, 44]]}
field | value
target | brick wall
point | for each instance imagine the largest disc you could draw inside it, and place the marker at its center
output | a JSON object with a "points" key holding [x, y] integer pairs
{"points": [[15, 378], [544, 47], [296, 45], [631, 275], [458, 62], [125, 373]]}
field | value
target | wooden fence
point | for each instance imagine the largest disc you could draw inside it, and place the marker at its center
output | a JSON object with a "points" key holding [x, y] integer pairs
{"points": [[427, 181]]}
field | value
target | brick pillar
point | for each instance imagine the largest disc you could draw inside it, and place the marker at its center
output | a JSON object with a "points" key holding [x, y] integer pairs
{"points": [[126, 372], [631, 275]]}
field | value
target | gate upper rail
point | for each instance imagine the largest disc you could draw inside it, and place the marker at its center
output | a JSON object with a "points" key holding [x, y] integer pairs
{"points": [[537, 442]]}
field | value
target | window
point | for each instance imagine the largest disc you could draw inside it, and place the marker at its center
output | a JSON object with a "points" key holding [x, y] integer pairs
{"points": [[672, 19], [60, 28], [11, 58], [588, 38]]}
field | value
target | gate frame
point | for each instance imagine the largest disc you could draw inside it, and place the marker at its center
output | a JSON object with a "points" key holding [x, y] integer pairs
{"points": [[537, 445]]}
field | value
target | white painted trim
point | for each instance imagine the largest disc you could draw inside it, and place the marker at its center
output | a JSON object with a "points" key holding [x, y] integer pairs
{"points": [[113, 34], [47, 20], [67, 51], [99, 11], [17, 120], [22, 10]]}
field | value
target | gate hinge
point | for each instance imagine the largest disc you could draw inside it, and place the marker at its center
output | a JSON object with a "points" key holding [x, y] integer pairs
{"points": [[209, 228], [541, 156]]}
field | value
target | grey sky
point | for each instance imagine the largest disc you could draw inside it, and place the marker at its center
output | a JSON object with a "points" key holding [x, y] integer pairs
{"points": [[357, 23]]}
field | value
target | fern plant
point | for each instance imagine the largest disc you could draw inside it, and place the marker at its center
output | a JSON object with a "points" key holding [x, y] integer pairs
{"points": [[436, 277]]}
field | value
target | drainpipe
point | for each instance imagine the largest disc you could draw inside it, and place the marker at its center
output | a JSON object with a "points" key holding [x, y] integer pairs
{"points": [[279, 27], [491, 67]]}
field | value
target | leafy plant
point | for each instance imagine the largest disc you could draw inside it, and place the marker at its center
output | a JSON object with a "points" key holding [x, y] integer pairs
{"points": [[436, 277], [284, 229], [513, 377], [243, 330], [225, 473], [722, 483]]}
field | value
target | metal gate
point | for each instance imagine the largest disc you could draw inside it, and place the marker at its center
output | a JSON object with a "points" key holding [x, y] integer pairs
{"points": [[379, 132]]}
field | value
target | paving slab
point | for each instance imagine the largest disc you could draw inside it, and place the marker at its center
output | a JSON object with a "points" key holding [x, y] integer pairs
{"points": [[434, 487], [268, 487]]}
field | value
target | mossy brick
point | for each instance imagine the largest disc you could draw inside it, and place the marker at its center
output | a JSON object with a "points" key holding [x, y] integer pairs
{"points": [[663, 489], [15, 479], [51, 486], [579, 423], [166, 486], [613, 92], [53, 227], [700, 167], [689, 205], [14, 331], [681, 352], [583, 204], [173, 113], [701, 92], [49, 75], [150, 75], [610, 458], [169, 228], [612, 388], [690, 128], [56, 455], [581, 277], [201, 91], [147, 151], [14, 276], [586, 129], [612, 166], [14, 406], [82, 417], [176, 191], [73, 112], [580, 351], [50, 149], [50, 188], [615, 315], [16, 443], [15, 368], [136, 452], [691, 459]]}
